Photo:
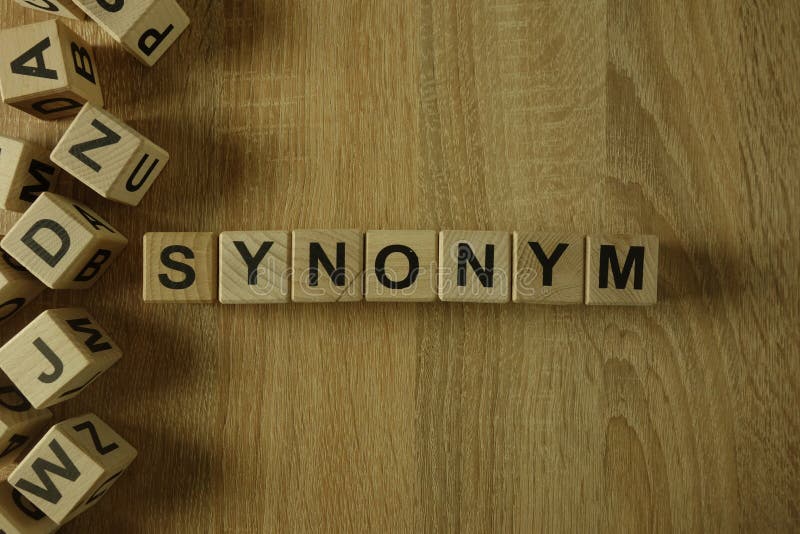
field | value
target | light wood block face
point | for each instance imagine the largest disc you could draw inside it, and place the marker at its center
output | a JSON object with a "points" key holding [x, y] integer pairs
{"points": [[401, 266], [47, 70], [64, 244], [17, 286], [20, 423], [57, 355], [25, 172], [254, 267], [474, 266], [59, 8], [327, 265], [72, 467], [621, 270], [180, 267], [19, 516], [147, 29], [107, 155], [548, 268]]}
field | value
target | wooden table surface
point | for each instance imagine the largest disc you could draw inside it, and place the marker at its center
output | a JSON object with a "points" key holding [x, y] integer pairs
{"points": [[677, 118]]}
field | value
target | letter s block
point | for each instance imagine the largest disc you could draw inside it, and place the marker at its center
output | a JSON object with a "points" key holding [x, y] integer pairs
{"points": [[109, 156], [17, 286], [64, 244], [25, 172], [59, 8], [180, 267], [72, 467], [621, 270], [19, 516], [47, 70]]}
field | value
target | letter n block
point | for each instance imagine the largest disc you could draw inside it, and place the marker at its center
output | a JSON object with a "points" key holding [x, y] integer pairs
{"points": [[254, 267], [19, 516], [17, 286], [19, 421], [110, 157], [70, 469], [63, 243], [401, 266], [474, 266], [57, 355], [180, 267], [548, 268], [621, 270], [47, 70], [59, 8], [327, 265], [25, 172]]}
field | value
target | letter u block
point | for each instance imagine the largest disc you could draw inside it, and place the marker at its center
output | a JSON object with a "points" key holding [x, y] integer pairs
{"points": [[19, 421], [17, 286], [59, 8], [64, 244], [19, 516], [25, 172], [474, 266], [57, 355], [72, 467], [47, 70], [621, 270]]}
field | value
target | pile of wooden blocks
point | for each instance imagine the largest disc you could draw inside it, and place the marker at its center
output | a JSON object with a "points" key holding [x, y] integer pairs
{"points": [[50, 72]]}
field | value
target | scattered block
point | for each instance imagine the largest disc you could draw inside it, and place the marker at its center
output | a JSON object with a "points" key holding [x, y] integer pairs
{"points": [[60, 8], [17, 286], [474, 266], [25, 172], [64, 244], [180, 267], [107, 155], [327, 265], [19, 421], [147, 28], [19, 516], [254, 267], [57, 355], [47, 70], [548, 268], [401, 266], [72, 467], [621, 270]]}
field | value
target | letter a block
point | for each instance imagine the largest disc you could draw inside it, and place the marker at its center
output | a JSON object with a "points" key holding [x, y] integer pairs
{"points": [[146, 28], [474, 266], [17, 286], [110, 157], [401, 266], [253, 267], [19, 516], [60, 8], [57, 355], [548, 268], [327, 265], [47, 70], [72, 467], [25, 172], [19, 421], [180, 267], [63, 243], [621, 270]]}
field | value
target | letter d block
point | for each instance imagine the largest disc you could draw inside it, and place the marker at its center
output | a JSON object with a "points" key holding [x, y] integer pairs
{"points": [[47, 70], [108, 156], [621, 270], [25, 172], [63, 243], [180, 267], [17, 286], [59, 8], [57, 355], [474, 266], [72, 467], [19, 516]]}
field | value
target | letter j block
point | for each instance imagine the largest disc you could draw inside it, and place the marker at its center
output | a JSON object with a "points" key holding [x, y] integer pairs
{"points": [[64, 244], [180, 267]]}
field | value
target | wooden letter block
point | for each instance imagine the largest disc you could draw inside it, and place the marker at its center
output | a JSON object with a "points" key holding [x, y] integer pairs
{"points": [[19, 516], [25, 172], [72, 467], [60, 8], [47, 70], [401, 266], [57, 355], [548, 268], [19, 421], [621, 270], [108, 156], [474, 266], [63, 243], [254, 267], [17, 286], [146, 28], [327, 265], [180, 267]]}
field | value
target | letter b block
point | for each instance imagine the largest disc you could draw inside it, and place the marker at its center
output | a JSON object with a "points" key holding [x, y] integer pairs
{"points": [[25, 172], [474, 266], [621, 270], [72, 467], [57, 355], [180, 267]]}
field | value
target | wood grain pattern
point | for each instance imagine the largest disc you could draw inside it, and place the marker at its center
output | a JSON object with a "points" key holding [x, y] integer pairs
{"points": [[675, 118]]}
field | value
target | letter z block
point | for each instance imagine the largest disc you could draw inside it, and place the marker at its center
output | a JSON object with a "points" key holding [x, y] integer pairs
{"points": [[64, 244], [110, 157], [180, 267], [548, 268], [19, 516], [19, 421], [327, 265], [474, 266], [47, 70], [72, 467], [401, 266], [621, 270], [254, 267], [57, 355], [17, 286], [60, 8], [25, 172]]}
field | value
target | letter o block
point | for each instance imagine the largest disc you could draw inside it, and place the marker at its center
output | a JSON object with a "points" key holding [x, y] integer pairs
{"points": [[64, 244], [17, 287], [19, 516], [25, 172], [59, 8], [180, 267], [401, 266], [47, 70], [72, 467], [57, 355]]}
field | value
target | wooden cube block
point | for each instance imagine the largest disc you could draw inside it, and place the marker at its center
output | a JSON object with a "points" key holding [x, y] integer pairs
{"points": [[548, 268], [17, 286], [474, 266], [327, 265], [254, 267], [401, 266], [107, 155], [19, 421], [47, 70], [72, 467], [180, 267], [621, 270], [63, 243], [57, 355], [25, 172], [146, 28], [59, 8], [19, 516]]}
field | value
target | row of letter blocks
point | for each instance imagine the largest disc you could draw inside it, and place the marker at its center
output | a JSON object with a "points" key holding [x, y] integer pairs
{"points": [[404, 265]]}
